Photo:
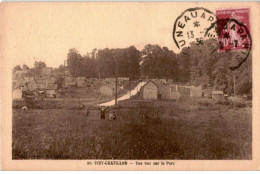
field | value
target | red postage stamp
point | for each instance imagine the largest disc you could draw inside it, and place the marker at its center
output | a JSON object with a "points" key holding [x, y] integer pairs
{"points": [[233, 29]]}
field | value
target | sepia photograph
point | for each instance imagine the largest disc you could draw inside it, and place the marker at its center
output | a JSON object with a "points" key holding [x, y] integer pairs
{"points": [[121, 82]]}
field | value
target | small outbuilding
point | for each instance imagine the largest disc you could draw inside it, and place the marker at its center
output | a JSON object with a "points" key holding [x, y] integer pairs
{"points": [[190, 91], [106, 90], [218, 95], [196, 91], [17, 93], [184, 91], [50, 93]]}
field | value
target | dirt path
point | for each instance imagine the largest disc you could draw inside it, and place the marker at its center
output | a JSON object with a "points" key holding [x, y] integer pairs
{"points": [[126, 96]]}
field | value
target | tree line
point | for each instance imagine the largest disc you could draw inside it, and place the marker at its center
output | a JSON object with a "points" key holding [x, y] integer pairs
{"points": [[152, 62]]}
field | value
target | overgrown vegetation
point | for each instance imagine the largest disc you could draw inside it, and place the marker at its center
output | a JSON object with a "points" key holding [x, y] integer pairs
{"points": [[159, 130]]}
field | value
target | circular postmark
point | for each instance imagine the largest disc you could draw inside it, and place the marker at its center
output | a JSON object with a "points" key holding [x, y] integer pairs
{"points": [[232, 36], [192, 25]]}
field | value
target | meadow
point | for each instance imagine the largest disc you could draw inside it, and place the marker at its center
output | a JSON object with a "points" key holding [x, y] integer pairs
{"points": [[183, 129]]}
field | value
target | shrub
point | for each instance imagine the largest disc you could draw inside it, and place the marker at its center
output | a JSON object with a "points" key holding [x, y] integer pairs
{"points": [[205, 102], [223, 102], [240, 104]]}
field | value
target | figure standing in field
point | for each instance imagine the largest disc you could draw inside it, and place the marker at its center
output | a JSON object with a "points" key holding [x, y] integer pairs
{"points": [[24, 108], [112, 115], [103, 113], [87, 111], [81, 106], [147, 113]]}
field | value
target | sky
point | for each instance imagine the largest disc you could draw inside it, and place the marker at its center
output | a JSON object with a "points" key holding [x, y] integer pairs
{"points": [[46, 31]]}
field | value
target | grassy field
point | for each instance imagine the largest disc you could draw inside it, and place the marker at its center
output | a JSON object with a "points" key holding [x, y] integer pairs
{"points": [[184, 129]]}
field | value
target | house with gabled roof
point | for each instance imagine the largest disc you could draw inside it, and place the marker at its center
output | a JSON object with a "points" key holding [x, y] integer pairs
{"points": [[149, 91], [157, 89]]}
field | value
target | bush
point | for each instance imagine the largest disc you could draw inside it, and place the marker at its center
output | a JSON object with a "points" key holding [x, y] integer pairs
{"points": [[17, 104], [240, 104], [205, 102], [237, 102], [223, 102]]}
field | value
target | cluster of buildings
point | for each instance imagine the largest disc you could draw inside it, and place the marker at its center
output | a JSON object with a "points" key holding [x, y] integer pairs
{"points": [[46, 84], [107, 86], [157, 89], [26, 84]]}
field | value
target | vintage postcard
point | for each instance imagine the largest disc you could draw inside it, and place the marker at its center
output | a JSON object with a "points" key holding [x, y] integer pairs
{"points": [[130, 85]]}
